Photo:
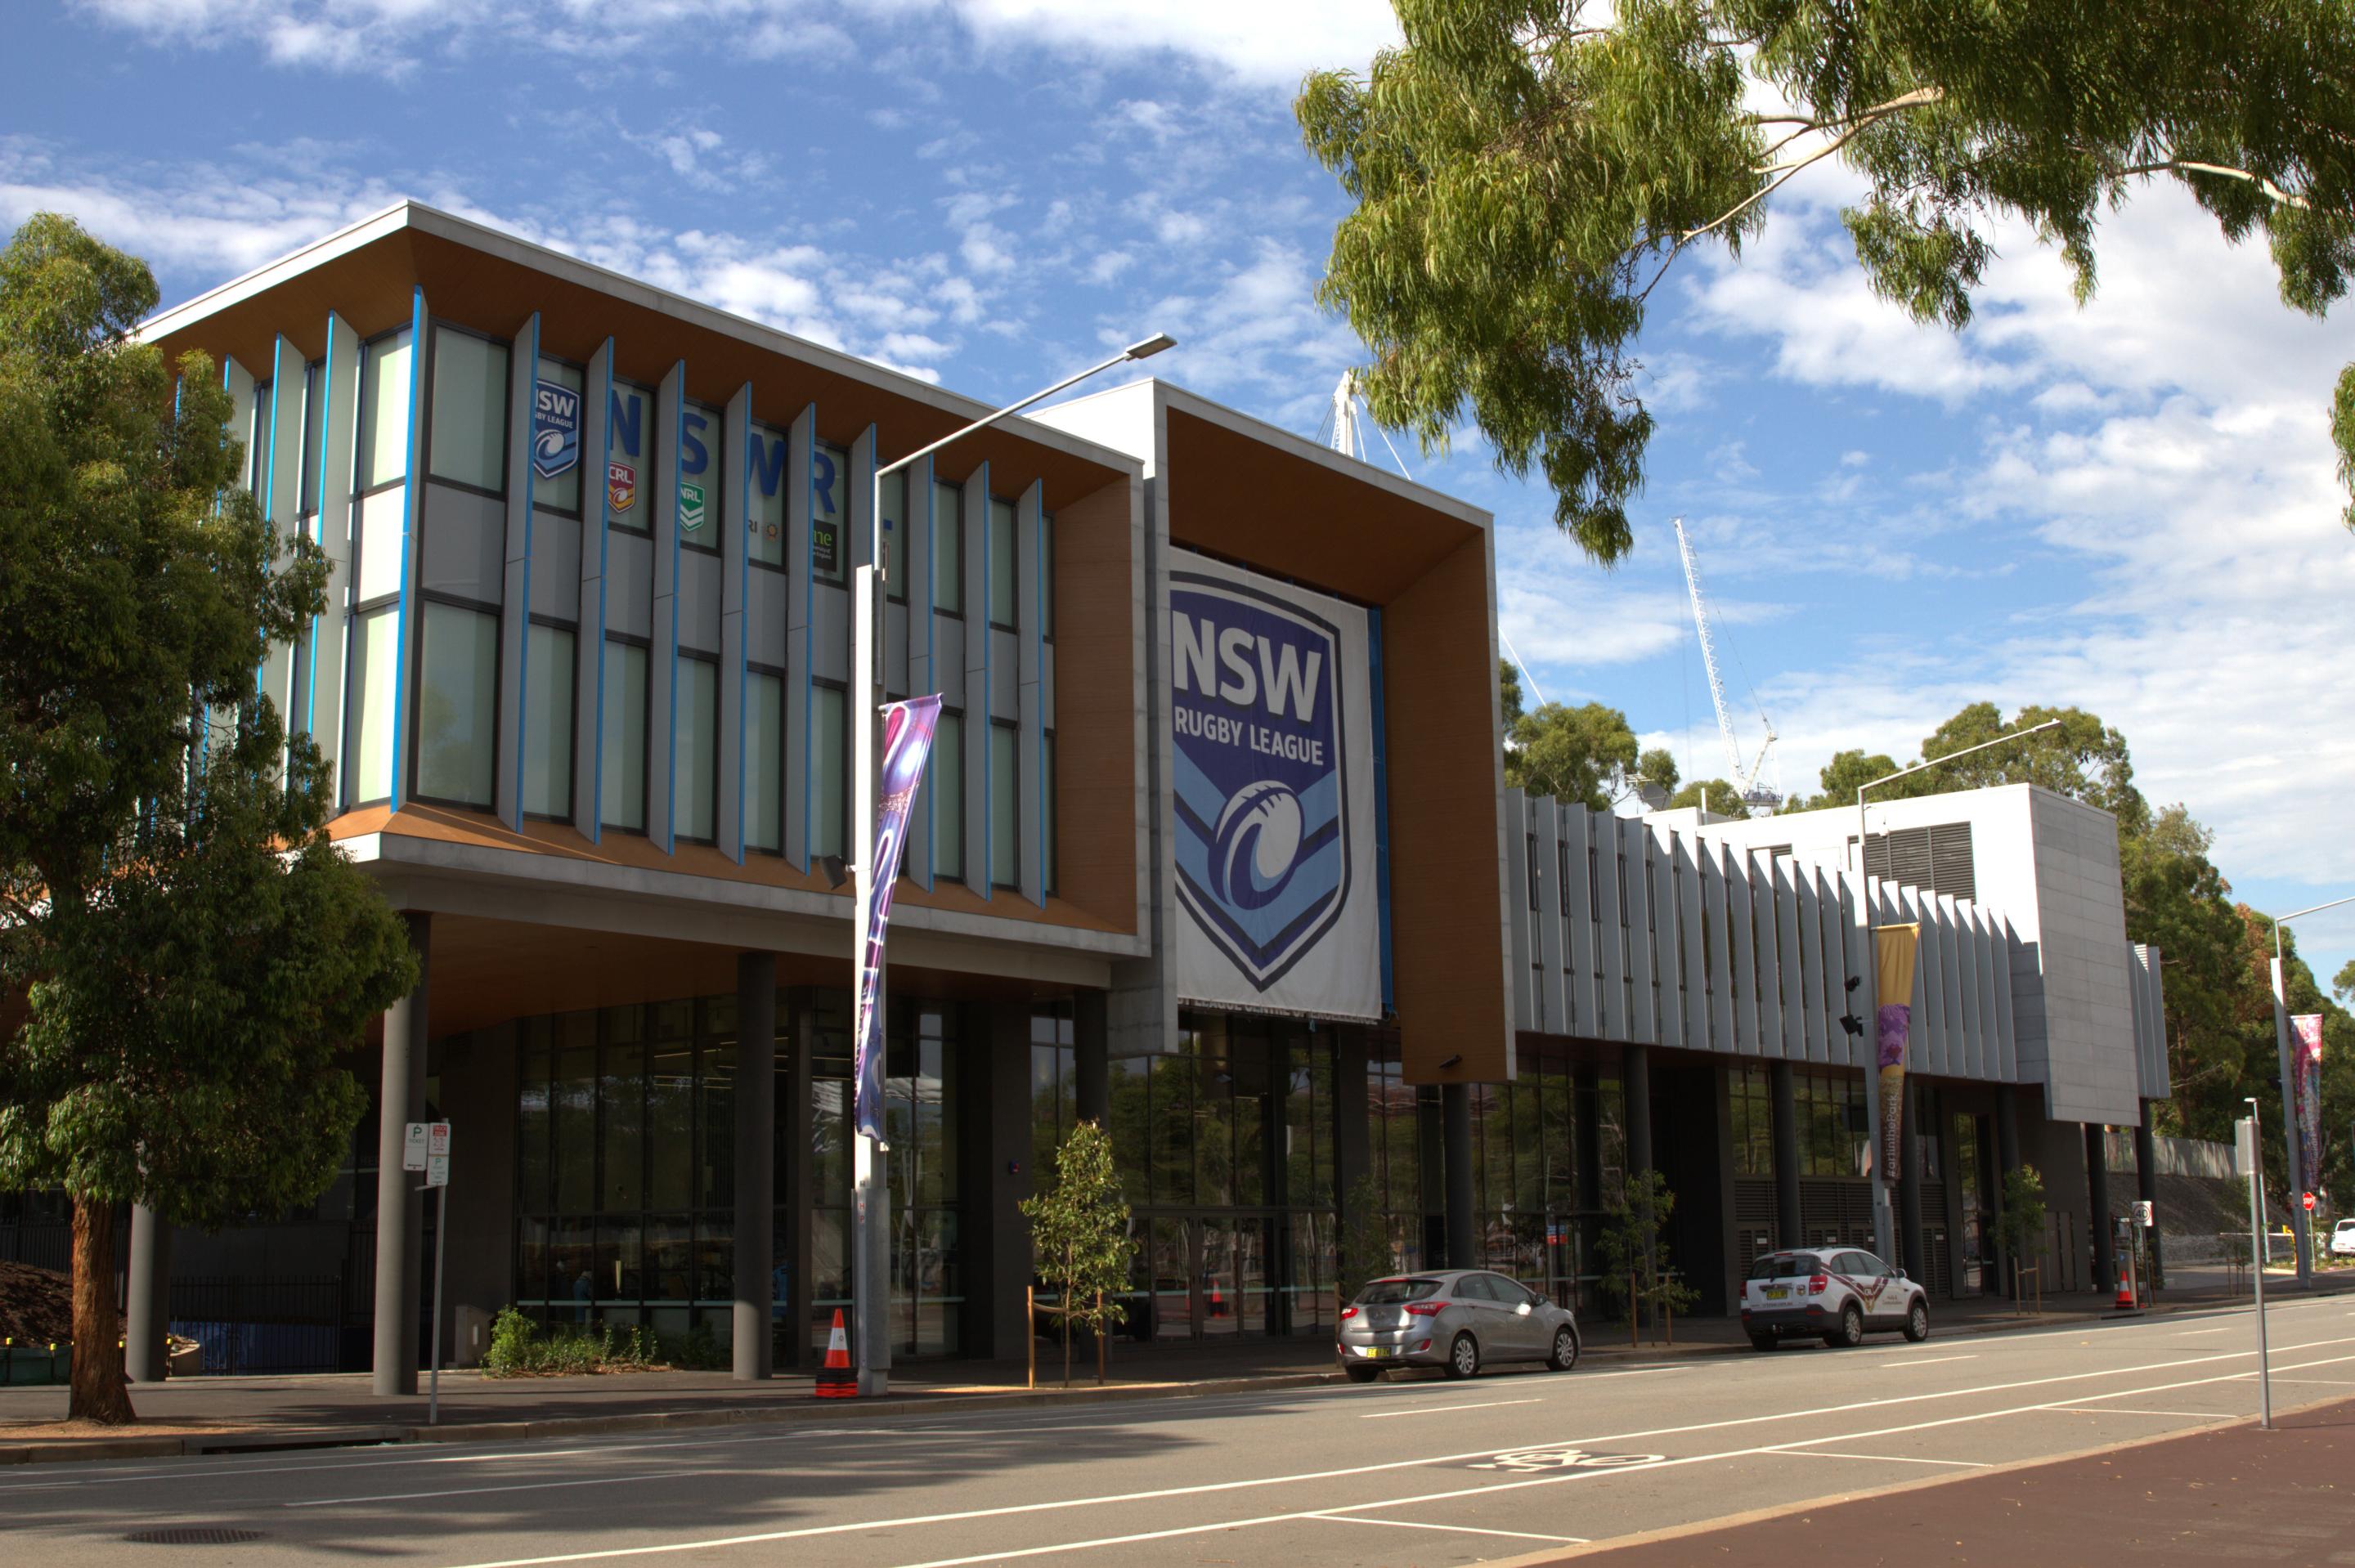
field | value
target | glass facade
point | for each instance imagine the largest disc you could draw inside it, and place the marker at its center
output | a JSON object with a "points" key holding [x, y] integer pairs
{"points": [[944, 782], [623, 771], [457, 705], [467, 443], [1829, 1105], [1005, 808], [625, 1168], [764, 770], [695, 769], [1003, 564], [829, 818], [548, 722], [948, 547], [383, 454]]}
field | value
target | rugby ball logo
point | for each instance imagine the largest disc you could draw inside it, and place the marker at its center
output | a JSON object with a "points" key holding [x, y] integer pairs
{"points": [[1262, 835]]}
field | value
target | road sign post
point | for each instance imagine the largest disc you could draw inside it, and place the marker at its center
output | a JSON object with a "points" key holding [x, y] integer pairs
{"points": [[2244, 1158], [436, 1165]]}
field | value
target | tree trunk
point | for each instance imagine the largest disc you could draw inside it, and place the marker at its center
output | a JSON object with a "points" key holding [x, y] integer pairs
{"points": [[1068, 1282], [101, 1392]]}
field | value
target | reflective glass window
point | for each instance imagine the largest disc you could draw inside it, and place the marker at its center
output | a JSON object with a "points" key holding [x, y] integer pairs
{"points": [[375, 664], [948, 547], [622, 764], [1004, 813], [468, 411], [695, 771], [764, 762], [457, 705], [1003, 564], [945, 781], [383, 454], [548, 722]]}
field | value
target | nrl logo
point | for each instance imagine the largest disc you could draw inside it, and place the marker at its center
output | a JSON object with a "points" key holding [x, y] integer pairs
{"points": [[1262, 824]]}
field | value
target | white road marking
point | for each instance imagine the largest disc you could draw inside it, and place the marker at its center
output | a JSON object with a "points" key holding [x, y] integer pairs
{"points": [[2119, 1410], [872, 1526], [515, 1486], [2195, 1333], [1442, 1409], [1886, 1458], [1458, 1528], [1926, 1362]]}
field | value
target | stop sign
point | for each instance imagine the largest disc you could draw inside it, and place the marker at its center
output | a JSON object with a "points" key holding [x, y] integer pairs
{"points": [[2309, 1202]]}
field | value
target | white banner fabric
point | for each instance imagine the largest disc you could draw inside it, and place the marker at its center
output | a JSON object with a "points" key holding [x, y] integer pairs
{"points": [[1272, 746]]}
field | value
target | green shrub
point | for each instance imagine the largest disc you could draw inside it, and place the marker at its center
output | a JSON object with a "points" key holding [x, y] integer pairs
{"points": [[518, 1349]]}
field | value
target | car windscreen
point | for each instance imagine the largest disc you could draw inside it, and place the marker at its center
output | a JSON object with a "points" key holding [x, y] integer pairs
{"points": [[1784, 1266], [1390, 1292]]}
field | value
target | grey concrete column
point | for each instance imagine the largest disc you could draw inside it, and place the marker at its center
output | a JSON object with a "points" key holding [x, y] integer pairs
{"points": [[752, 1335], [1431, 1165], [400, 1210], [797, 1033], [1092, 1092], [1455, 1120], [1783, 1090], [1913, 1253], [1636, 1084], [2146, 1188], [1003, 1250], [145, 1351], [2097, 1199]]}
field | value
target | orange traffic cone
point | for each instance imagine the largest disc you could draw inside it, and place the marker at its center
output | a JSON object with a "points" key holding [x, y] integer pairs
{"points": [[835, 1380], [2125, 1302]]}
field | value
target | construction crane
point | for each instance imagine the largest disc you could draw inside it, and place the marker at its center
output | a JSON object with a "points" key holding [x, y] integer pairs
{"points": [[1749, 782]]}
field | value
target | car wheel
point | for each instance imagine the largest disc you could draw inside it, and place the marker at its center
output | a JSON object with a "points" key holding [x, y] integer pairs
{"points": [[1917, 1321], [1362, 1374], [1764, 1341], [1463, 1357], [1565, 1349], [1850, 1332]]}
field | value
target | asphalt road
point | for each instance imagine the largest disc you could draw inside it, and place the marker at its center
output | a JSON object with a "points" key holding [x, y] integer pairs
{"points": [[1421, 1472]]}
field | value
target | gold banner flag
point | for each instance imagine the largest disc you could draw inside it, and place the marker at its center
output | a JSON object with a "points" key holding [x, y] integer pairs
{"points": [[1894, 949]]}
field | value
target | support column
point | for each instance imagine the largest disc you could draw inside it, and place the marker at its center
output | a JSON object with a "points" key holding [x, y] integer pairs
{"points": [[400, 1210], [1430, 1164], [1636, 1084], [753, 1333], [1913, 1254], [1455, 1118], [1088, 1035], [1586, 1107], [145, 1351], [1782, 1089], [1352, 1145], [2146, 1188], [795, 1115], [2097, 1199]]}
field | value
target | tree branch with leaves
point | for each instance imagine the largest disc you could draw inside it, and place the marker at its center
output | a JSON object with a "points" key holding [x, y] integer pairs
{"points": [[1524, 174]]}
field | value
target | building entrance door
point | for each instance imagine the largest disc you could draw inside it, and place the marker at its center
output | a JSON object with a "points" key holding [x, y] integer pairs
{"points": [[1209, 1275]]}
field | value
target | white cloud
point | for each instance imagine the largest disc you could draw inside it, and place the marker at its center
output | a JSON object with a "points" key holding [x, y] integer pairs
{"points": [[1229, 40]]}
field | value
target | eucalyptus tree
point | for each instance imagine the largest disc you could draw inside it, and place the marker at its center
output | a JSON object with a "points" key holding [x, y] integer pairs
{"points": [[1525, 173]]}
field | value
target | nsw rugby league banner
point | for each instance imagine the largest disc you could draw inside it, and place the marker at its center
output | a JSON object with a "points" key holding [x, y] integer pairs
{"points": [[1893, 951], [907, 742], [1273, 749]]}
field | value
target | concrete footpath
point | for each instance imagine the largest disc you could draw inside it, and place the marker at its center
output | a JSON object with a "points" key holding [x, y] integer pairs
{"points": [[219, 1414], [2235, 1493]]}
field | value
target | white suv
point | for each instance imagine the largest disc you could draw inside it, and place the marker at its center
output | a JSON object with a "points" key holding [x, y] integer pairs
{"points": [[2343, 1239], [1838, 1293]]}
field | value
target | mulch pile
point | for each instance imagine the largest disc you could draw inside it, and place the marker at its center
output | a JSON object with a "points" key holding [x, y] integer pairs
{"points": [[36, 1304]]}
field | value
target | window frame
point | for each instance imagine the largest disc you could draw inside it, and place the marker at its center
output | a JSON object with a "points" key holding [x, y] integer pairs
{"points": [[370, 347], [579, 509], [1013, 566], [554, 623], [956, 529], [688, 656], [1013, 730], [506, 406], [827, 684], [963, 784], [645, 740], [784, 797], [647, 461], [421, 598]]}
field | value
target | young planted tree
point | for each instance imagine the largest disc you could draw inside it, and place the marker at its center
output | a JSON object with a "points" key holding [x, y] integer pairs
{"points": [[1079, 1235], [1525, 172], [1634, 1248], [2019, 1218], [193, 953]]}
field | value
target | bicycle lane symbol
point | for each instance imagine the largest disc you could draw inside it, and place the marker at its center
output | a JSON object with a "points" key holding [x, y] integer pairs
{"points": [[1531, 1461]]}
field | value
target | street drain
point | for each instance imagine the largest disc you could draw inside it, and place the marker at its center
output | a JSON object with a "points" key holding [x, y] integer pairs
{"points": [[193, 1535]]}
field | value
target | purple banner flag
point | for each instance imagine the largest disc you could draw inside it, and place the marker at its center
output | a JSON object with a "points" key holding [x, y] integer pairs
{"points": [[1893, 953], [2305, 1083], [907, 744]]}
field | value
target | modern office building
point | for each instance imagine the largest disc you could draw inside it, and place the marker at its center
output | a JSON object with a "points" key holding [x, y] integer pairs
{"points": [[1214, 847]]}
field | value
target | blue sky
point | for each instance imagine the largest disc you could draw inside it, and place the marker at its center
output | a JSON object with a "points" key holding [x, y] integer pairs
{"points": [[2129, 508]]}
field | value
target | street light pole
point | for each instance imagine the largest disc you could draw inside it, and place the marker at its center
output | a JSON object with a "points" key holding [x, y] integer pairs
{"points": [[1883, 1223], [869, 1228], [2294, 1131]]}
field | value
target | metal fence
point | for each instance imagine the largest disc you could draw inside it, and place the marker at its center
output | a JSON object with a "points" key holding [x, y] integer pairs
{"points": [[249, 1323]]}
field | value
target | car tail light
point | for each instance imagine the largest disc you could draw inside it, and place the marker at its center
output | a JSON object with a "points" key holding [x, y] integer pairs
{"points": [[1347, 1313], [1818, 1283], [1426, 1309]]}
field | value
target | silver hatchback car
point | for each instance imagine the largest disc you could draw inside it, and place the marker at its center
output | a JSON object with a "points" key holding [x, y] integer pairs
{"points": [[1456, 1320]]}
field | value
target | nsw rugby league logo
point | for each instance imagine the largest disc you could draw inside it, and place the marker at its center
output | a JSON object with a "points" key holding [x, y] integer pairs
{"points": [[1262, 809]]}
